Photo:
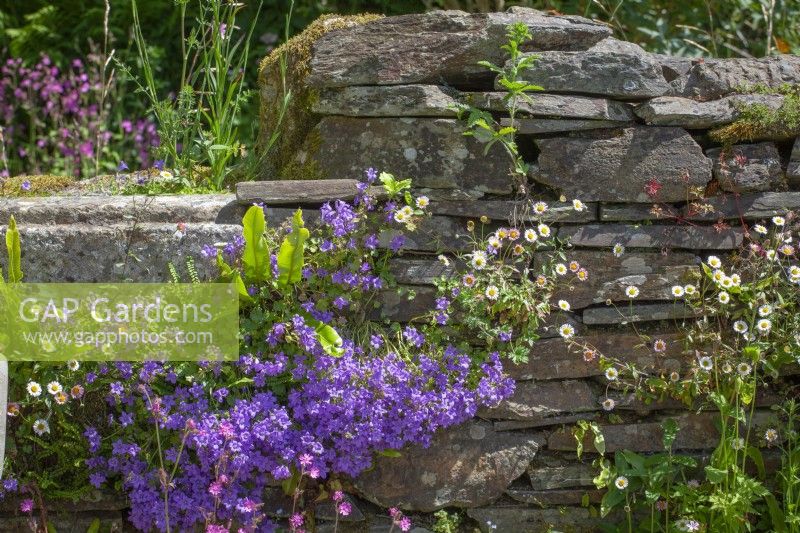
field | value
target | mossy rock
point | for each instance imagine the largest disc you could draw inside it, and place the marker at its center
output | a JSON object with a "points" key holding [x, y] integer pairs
{"points": [[40, 185], [276, 154], [760, 122]]}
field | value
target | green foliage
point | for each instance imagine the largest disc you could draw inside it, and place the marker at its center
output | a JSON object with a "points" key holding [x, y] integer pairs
{"points": [[291, 254], [760, 121], [14, 252], [482, 124], [446, 522], [255, 258]]}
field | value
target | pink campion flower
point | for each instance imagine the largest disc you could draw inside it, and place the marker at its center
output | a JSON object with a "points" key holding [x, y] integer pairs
{"points": [[394, 511], [345, 508], [338, 496], [26, 505], [215, 489], [296, 520], [305, 460], [652, 187], [405, 524]]}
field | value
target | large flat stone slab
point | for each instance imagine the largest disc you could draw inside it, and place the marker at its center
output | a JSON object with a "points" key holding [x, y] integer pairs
{"points": [[623, 165], [610, 68], [714, 78], [653, 273], [748, 167], [520, 518], [388, 101], [512, 211], [693, 114], [538, 400], [542, 126], [626, 314], [116, 253], [655, 236], [554, 359], [437, 46], [102, 210], [299, 192], [554, 105], [431, 151], [466, 466]]}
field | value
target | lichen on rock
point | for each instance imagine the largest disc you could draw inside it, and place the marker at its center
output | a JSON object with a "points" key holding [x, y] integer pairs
{"points": [[293, 124]]}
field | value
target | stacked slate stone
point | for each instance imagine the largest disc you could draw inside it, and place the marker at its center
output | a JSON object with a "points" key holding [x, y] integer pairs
{"points": [[613, 123]]}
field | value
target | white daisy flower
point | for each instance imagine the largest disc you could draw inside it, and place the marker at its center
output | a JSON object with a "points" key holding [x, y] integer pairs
{"points": [[787, 249], [659, 345], [563, 305], [423, 202], [544, 230], [778, 221], [714, 261], [771, 435], [705, 363], [492, 292], [577, 205], [566, 331], [34, 389], [771, 255], [764, 325], [743, 369], [726, 282], [495, 243], [632, 292], [736, 280], [73, 365], [479, 259], [618, 250], [723, 297], [539, 208], [400, 217], [609, 404], [54, 387], [794, 271], [758, 228], [40, 427], [611, 373], [621, 483], [690, 289], [718, 275], [740, 326], [765, 310], [678, 291], [530, 235], [561, 269]]}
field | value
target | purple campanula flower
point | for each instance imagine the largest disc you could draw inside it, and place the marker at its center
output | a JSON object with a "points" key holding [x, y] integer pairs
{"points": [[122, 167], [26, 185]]}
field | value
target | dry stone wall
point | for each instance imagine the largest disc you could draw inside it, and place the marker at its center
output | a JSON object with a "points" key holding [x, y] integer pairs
{"points": [[616, 126]]}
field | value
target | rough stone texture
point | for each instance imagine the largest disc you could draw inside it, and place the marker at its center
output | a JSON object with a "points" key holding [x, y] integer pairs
{"points": [[553, 358], [433, 151], [555, 105], [537, 400], [545, 498], [92, 253], [388, 101], [656, 236], [540, 126], [102, 210], [714, 78], [510, 211], [466, 466], [551, 473], [437, 46], [748, 167], [793, 170], [616, 165], [625, 314], [693, 114], [610, 68], [523, 519], [653, 273], [298, 192]]}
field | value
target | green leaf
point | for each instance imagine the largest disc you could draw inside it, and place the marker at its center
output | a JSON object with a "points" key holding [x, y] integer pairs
{"points": [[716, 475], [291, 254], [329, 339], [255, 256], [14, 252], [94, 527], [670, 429], [390, 453], [776, 514]]}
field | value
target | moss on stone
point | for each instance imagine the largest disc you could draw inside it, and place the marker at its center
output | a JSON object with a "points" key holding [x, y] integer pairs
{"points": [[276, 161], [759, 121], [40, 185]]}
